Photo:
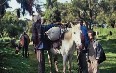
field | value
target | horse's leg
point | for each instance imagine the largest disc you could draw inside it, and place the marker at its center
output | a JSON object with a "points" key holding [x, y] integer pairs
{"points": [[54, 52], [78, 61], [69, 66], [50, 61], [23, 49], [48, 57], [69, 63], [64, 63], [56, 62], [26, 50]]}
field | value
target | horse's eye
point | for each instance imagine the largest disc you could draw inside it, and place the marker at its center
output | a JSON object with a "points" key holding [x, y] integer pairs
{"points": [[74, 32]]}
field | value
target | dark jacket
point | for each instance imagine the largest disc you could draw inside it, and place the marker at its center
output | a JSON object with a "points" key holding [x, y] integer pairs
{"points": [[36, 27], [96, 50], [85, 34]]}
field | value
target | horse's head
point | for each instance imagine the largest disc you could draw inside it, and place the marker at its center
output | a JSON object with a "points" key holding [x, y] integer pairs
{"points": [[76, 35]]}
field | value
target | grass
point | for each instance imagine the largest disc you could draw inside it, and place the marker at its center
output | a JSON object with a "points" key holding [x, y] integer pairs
{"points": [[12, 63], [109, 44]]}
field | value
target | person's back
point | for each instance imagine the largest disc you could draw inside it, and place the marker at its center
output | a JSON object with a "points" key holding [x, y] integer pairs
{"points": [[36, 33], [84, 32], [82, 55], [96, 53]]}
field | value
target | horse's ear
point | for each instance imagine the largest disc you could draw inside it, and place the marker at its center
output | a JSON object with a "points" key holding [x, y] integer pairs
{"points": [[71, 24], [79, 26]]}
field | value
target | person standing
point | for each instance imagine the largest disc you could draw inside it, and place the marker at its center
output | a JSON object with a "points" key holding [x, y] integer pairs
{"points": [[96, 54], [36, 37], [82, 60]]}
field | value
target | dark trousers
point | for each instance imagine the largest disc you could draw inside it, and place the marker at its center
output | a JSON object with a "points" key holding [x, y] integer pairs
{"points": [[25, 51], [82, 62], [41, 61]]}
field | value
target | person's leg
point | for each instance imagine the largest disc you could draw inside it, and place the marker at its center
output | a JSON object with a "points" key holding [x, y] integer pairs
{"points": [[69, 62], [56, 62], [90, 67], [41, 61], [78, 56], [50, 61], [95, 67], [83, 63]]}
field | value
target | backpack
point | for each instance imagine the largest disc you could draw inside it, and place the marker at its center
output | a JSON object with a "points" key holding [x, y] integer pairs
{"points": [[54, 33], [102, 53]]}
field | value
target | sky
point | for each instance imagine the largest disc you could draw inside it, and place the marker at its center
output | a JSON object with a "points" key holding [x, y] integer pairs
{"points": [[16, 5]]}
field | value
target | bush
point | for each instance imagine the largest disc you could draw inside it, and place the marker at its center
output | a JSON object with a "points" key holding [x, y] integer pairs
{"points": [[106, 32]]}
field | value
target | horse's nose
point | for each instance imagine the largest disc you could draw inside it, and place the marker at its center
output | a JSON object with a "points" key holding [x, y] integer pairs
{"points": [[79, 46]]}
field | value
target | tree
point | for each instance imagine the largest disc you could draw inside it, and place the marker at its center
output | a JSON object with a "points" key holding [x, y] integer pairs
{"points": [[3, 6], [11, 26], [52, 13], [107, 13]]}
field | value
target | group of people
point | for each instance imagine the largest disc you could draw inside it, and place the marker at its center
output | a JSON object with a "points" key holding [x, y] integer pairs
{"points": [[89, 58]]}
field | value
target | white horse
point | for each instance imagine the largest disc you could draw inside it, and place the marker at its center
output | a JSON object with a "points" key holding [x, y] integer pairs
{"points": [[70, 43]]}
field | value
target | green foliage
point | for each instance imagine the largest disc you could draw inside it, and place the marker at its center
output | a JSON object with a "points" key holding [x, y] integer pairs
{"points": [[11, 26], [48, 13], [106, 33], [106, 13], [3, 5], [65, 9]]}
